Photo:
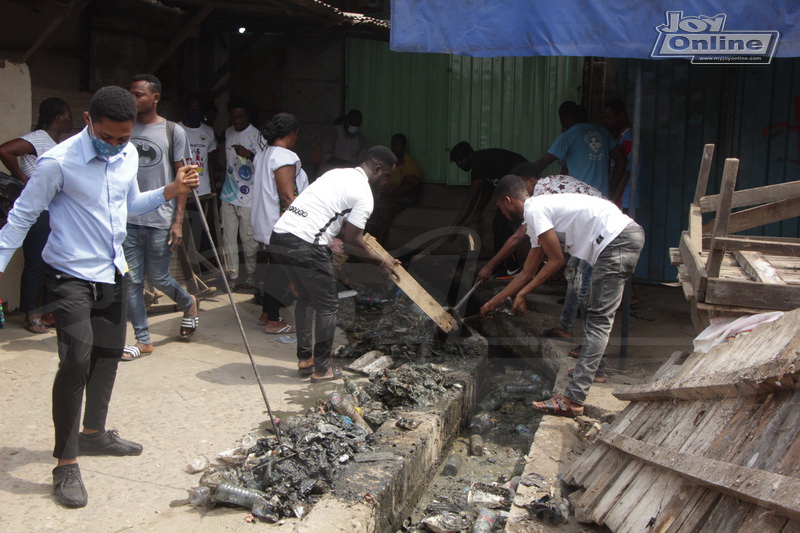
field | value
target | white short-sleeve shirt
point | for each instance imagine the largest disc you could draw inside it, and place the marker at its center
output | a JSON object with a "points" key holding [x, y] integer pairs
{"points": [[588, 223], [266, 199], [318, 214]]}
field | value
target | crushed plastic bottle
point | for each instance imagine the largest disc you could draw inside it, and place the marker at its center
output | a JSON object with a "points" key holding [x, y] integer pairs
{"points": [[476, 445], [344, 406], [199, 496], [485, 521], [244, 497], [523, 429]]}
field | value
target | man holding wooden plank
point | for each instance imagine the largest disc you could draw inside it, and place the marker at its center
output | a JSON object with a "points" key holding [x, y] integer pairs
{"points": [[595, 231], [338, 203]]}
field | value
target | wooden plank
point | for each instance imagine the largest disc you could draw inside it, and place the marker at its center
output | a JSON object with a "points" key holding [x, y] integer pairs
{"points": [[686, 509], [414, 290], [637, 514], [715, 250], [705, 170], [696, 226], [728, 515], [761, 296], [760, 520], [760, 216], [756, 196], [757, 266], [773, 491], [768, 246], [695, 267]]}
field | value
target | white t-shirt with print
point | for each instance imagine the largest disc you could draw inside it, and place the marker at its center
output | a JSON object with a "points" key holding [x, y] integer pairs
{"points": [[318, 214], [266, 208], [238, 186], [587, 222], [201, 141]]}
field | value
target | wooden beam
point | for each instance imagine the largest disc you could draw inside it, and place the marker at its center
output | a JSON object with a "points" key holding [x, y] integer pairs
{"points": [[760, 216], [705, 170], [757, 244], [736, 292], [186, 30], [46, 38], [695, 268], [414, 290], [757, 267], [696, 226], [715, 252], [775, 492], [758, 195]]}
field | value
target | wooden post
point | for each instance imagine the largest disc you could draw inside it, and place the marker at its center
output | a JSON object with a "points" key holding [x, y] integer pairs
{"points": [[705, 169], [715, 255]]}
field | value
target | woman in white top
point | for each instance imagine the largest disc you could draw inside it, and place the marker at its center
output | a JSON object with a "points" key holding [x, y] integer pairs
{"points": [[278, 179], [19, 156]]}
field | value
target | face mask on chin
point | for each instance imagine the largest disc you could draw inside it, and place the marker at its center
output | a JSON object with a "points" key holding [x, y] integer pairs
{"points": [[103, 148], [352, 130]]}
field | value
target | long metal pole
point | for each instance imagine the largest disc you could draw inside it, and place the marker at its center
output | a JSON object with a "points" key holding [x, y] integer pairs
{"points": [[236, 313]]}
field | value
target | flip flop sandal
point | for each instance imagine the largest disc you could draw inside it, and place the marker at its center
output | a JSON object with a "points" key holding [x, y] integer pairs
{"points": [[283, 331], [337, 373], [307, 371], [36, 323], [575, 353], [189, 326], [132, 353], [597, 379], [557, 406]]}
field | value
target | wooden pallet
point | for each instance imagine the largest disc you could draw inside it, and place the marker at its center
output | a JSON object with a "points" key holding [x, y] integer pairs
{"points": [[722, 273], [710, 443]]}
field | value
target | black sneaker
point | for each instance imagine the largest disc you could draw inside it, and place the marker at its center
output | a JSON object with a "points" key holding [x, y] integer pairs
{"points": [[107, 443], [68, 486]]}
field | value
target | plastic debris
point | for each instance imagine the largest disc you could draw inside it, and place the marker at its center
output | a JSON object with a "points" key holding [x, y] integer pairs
{"points": [[485, 521], [446, 523], [490, 496], [198, 464], [451, 467], [481, 423], [476, 445]]}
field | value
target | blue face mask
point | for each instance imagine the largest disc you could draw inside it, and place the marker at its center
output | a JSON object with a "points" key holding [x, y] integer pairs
{"points": [[104, 148]]}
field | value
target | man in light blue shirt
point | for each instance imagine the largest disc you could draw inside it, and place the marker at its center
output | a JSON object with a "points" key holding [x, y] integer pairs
{"points": [[585, 149], [89, 184]]}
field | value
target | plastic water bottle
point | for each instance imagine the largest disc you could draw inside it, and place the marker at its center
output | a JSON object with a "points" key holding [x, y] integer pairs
{"points": [[485, 521]]}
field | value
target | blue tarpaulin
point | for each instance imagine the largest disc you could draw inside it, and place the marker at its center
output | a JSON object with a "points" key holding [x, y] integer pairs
{"points": [[623, 28]]}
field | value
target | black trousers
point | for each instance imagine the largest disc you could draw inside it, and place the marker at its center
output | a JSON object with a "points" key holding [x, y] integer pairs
{"points": [[310, 269], [90, 324]]}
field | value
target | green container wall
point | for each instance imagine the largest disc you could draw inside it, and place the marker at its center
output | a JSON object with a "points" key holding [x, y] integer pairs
{"points": [[437, 100]]}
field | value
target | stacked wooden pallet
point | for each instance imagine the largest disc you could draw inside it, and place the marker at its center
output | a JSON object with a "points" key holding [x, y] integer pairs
{"points": [[722, 273], [709, 444]]}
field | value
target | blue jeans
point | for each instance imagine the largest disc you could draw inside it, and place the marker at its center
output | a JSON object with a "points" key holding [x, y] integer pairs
{"points": [[148, 254], [612, 269], [577, 288]]}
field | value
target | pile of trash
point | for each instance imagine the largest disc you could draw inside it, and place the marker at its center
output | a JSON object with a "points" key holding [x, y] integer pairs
{"points": [[282, 478], [396, 326]]}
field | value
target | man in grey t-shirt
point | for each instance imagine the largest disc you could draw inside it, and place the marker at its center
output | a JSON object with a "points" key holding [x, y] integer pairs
{"points": [[153, 236]]}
